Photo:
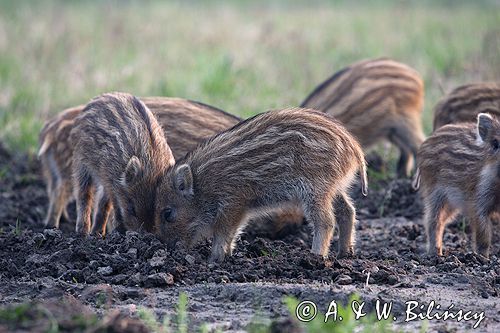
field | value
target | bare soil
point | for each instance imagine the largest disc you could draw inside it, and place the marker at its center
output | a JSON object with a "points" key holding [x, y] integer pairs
{"points": [[110, 279]]}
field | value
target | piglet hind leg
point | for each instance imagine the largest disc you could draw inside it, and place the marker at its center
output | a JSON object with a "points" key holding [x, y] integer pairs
{"points": [[346, 218], [438, 213], [84, 199], [51, 220], [101, 215], [408, 137], [57, 202], [405, 164], [481, 235], [65, 212], [323, 220], [119, 225], [225, 231], [59, 191]]}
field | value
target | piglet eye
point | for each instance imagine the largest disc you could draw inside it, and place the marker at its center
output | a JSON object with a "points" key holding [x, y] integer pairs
{"points": [[495, 144], [167, 215]]}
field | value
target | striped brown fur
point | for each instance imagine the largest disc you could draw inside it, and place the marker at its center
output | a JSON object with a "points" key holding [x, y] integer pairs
{"points": [[459, 171], [464, 103], [119, 145], [376, 99], [56, 157], [187, 123], [290, 157]]}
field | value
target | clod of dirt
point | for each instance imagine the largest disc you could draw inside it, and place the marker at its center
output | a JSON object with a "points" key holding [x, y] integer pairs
{"points": [[343, 279], [159, 280], [108, 270]]}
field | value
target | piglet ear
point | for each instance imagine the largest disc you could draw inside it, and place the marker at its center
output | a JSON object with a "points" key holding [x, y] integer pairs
{"points": [[133, 171], [484, 125], [183, 180]]}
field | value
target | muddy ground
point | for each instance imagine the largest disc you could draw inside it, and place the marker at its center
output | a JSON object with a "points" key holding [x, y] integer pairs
{"points": [[70, 279]]}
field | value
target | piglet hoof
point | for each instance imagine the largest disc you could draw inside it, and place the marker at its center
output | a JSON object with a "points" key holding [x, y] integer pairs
{"points": [[99, 235], [349, 254], [485, 253], [50, 225], [81, 234], [216, 258], [433, 258], [323, 256], [435, 252]]}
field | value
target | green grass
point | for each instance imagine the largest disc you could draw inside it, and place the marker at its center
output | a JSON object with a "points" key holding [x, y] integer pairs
{"points": [[17, 230], [16, 314], [242, 56]]}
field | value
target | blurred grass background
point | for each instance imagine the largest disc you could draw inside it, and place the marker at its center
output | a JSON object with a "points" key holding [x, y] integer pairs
{"points": [[242, 56]]}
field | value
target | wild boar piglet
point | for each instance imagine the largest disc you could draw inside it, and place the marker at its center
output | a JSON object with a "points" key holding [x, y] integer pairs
{"points": [[376, 99], [464, 103], [291, 157], [459, 171], [187, 123], [119, 145]]}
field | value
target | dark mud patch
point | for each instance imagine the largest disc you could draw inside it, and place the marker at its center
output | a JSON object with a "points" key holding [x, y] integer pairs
{"points": [[388, 198], [390, 251], [138, 270]]}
